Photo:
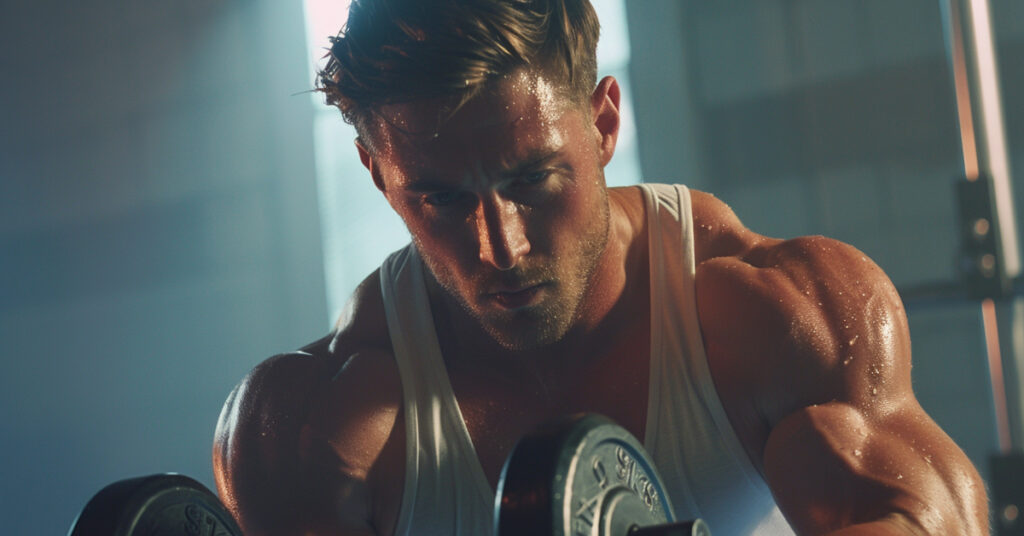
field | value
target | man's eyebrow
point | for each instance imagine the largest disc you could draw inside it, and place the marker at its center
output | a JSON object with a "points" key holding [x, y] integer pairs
{"points": [[532, 161], [427, 185]]}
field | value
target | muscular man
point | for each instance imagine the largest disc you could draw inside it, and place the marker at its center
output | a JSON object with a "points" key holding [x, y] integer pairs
{"points": [[769, 379]]}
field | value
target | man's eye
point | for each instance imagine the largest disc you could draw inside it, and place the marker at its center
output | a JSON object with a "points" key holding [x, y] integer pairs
{"points": [[440, 199], [536, 177]]}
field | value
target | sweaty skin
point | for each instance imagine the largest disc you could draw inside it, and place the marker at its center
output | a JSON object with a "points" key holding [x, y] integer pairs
{"points": [[806, 339]]}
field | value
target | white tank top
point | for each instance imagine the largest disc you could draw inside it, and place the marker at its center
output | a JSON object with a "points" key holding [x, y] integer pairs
{"points": [[706, 470]]}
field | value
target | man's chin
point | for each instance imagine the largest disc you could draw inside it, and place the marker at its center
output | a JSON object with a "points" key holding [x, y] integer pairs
{"points": [[521, 335], [517, 342]]}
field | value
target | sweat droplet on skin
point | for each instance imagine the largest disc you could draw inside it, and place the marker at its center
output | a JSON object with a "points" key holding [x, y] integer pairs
{"points": [[853, 340], [857, 453]]}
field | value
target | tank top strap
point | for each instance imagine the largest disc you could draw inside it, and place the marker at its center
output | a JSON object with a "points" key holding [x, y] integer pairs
{"points": [[707, 471], [446, 491]]}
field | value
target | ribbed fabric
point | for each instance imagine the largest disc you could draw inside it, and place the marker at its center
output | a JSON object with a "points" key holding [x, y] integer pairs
{"points": [[707, 472], [706, 469]]}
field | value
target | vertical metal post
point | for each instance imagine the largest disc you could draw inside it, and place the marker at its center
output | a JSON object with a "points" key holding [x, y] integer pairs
{"points": [[979, 105], [971, 47], [971, 50]]}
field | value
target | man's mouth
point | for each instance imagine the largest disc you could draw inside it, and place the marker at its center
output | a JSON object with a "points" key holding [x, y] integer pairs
{"points": [[514, 298]]}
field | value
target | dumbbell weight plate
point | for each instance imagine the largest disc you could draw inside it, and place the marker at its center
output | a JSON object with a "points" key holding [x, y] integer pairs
{"points": [[563, 478], [155, 505]]}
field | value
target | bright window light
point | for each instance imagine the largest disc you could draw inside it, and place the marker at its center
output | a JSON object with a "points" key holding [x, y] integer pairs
{"points": [[324, 19]]}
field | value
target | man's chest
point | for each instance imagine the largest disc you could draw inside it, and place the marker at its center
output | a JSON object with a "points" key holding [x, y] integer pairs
{"points": [[498, 412]]}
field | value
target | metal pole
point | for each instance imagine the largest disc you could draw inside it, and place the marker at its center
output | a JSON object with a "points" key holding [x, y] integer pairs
{"points": [[971, 50], [972, 55], [980, 111]]}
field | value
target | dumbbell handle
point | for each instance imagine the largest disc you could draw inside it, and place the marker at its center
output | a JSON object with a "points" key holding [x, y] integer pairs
{"points": [[683, 528]]}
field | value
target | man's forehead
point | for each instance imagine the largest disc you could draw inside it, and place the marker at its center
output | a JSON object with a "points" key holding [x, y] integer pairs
{"points": [[523, 95]]}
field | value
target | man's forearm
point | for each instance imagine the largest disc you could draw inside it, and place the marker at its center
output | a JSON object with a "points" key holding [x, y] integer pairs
{"points": [[894, 525]]}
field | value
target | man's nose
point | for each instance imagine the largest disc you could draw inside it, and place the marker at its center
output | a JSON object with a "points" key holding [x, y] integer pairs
{"points": [[502, 232]]}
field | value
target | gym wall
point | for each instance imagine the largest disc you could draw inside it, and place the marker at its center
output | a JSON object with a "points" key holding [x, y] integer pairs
{"points": [[158, 235]]}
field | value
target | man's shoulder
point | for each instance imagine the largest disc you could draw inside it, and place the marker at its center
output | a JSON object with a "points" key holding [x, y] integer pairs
{"points": [[299, 437], [356, 352], [803, 319], [310, 424], [331, 385], [721, 238], [295, 385]]}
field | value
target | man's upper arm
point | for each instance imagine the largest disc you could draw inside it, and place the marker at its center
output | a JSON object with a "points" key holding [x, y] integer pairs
{"points": [[815, 335], [275, 468], [835, 465]]}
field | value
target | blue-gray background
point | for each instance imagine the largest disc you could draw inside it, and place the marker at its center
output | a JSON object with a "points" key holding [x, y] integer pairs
{"points": [[161, 231]]}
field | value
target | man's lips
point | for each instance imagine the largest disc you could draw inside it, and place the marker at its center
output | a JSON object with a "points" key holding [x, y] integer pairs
{"points": [[512, 298]]}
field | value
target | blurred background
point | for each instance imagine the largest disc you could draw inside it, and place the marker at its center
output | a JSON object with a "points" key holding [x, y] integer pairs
{"points": [[175, 206]]}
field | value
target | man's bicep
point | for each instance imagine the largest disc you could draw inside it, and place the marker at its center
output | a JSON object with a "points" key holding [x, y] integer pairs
{"points": [[831, 466]]}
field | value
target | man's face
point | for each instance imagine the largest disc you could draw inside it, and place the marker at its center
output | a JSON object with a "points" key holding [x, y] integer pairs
{"points": [[505, 201]]}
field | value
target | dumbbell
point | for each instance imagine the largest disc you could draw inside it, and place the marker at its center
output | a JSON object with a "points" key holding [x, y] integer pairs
{"points": [[156, 505], [584, 475], [579, 475]]}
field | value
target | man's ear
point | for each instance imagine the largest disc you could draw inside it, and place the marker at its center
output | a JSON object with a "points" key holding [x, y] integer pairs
{"points": [[604, 110], [367, 160]]}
